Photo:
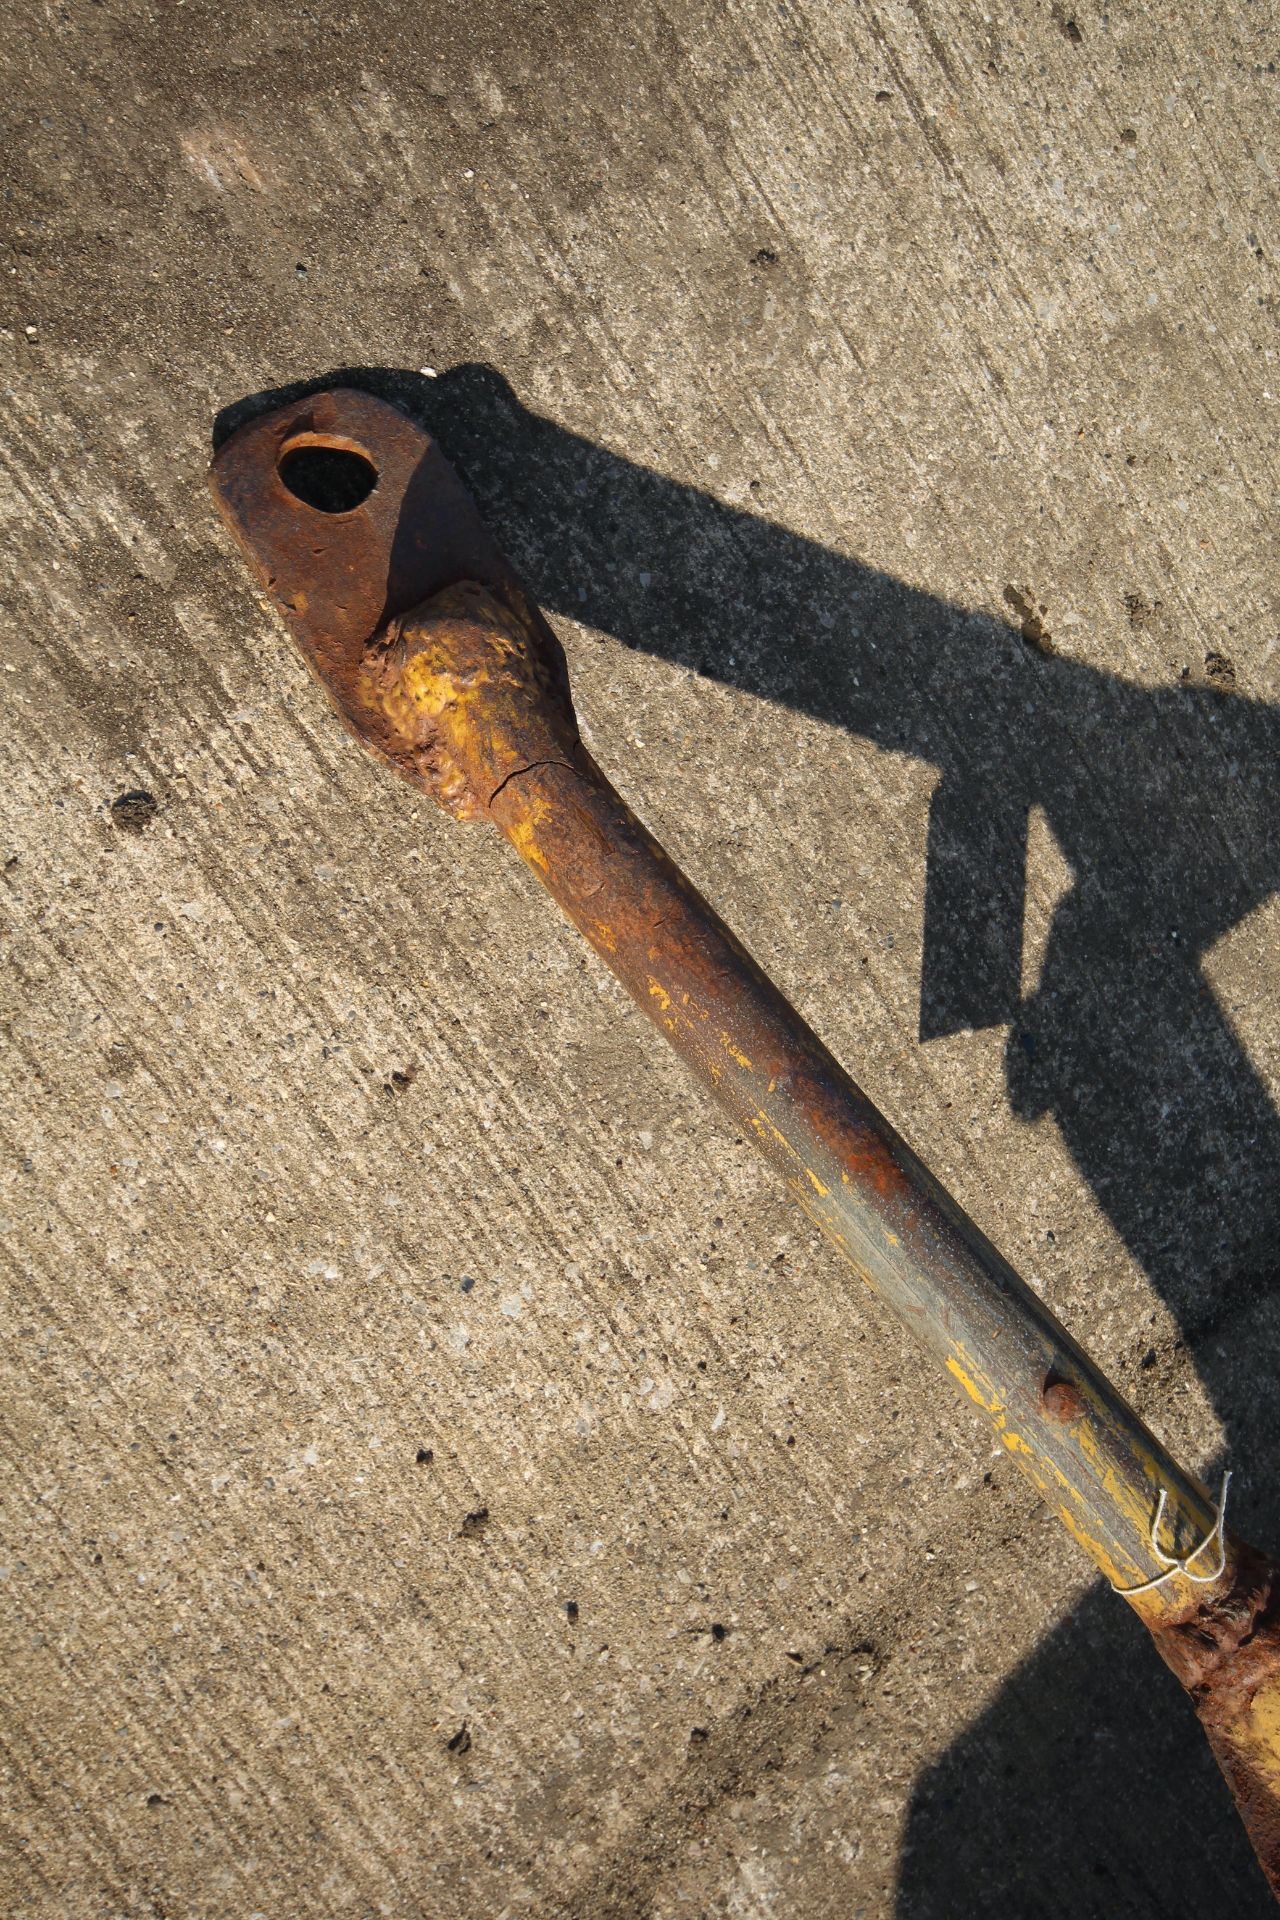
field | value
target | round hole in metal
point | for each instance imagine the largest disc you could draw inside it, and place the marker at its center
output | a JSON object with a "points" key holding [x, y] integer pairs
{"points": [[330, 479]]}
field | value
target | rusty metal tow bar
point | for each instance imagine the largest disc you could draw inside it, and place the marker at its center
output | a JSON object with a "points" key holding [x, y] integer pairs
{"points": [[429, 647]]}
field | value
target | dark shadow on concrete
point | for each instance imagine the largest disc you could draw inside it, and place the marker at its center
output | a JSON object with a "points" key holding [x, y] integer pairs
{"points": [[1086, 1790], [1087, 1786]]}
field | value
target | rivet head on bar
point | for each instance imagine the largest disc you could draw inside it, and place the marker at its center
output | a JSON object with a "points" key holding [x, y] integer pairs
{"points": [[1062, 1400]]}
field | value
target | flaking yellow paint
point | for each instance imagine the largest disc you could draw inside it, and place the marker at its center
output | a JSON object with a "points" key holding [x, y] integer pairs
{"points": [[965, 1369], [521, 836], [1262, 1733]]}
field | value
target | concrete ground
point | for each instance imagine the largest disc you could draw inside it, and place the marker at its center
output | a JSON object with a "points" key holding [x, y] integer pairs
{"points": [[441, 1474]]}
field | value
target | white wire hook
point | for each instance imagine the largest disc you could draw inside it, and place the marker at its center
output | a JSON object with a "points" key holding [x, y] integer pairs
{"points": [[1171, 1563]]}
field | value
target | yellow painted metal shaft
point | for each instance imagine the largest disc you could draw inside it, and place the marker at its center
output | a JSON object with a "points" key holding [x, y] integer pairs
{"points": [[461, 677]]}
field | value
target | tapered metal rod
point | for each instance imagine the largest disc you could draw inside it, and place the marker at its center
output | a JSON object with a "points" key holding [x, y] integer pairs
{"points": [[466, 694], [496, 740]]}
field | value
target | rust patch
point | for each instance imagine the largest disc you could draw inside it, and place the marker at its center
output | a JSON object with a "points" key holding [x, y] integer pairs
{"points": [[467, 694], [1226, 1653]]}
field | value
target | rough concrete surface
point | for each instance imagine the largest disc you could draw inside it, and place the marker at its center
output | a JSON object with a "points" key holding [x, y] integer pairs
{"points": [[441, 1474]]}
